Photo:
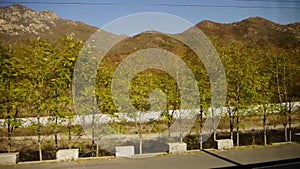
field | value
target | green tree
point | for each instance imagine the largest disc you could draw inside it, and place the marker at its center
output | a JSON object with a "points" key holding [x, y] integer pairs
{"points": [[286, 72], [36, 68], [12, 91], [240, 74], [61, 81], [263, 87]]}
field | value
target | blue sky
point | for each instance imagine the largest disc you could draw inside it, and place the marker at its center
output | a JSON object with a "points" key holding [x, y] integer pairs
{"points": [[101, 12]]}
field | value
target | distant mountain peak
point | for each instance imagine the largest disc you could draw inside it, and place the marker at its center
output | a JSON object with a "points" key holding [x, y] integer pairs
{"points": [[20, 22], [17, 7], [208, 23], [257, 19], [254, 31], [17, 20]]}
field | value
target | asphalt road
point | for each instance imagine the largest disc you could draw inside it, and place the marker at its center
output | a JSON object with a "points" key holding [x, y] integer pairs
{"points": [[207, 159]]}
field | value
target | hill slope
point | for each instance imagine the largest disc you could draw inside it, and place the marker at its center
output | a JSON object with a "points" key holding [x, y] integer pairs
{"points": [[19, 23], [254, 31]]}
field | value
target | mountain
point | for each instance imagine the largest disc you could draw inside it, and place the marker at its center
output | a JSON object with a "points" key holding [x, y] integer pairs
{"points": [[19, 23], [254, 31]]}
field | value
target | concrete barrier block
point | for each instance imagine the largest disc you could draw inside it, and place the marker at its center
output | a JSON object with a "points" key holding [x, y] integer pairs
{"points": [[177, 147], [124, 151], [223, 144], [67, 155], [9, 158]]}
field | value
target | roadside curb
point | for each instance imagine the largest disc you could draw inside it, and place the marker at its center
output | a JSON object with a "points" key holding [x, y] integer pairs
{"points": [[141, 156], [96, 158], [56, 161], [38, 162]]}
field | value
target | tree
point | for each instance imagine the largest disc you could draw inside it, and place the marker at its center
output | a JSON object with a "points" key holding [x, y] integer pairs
{"points": [[40, 81], [172, 102], [201, 120], [286, 70], [139, 96], [240, 74], [36, 69], [205, 96], [263, 87], [67, 50], [12, 91]]}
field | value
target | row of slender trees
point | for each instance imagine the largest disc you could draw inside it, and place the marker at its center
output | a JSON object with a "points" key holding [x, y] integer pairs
{"points": [[36, 81], [36, 78], [263, 80]]}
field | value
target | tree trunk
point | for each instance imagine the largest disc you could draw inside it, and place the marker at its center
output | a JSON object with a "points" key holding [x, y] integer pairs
{"points": [[40, 148], [200, 128], [237, 132], [141, 139], [69, 134], [9, 141], [93, 135], [265, 137], [264, 128], [55, 136], [140, 134], [141, 144], [9, 136], [290, 129], [169, 130], [180, 126], [93, 148], [253, 137], [56, 124], [214, 125], [169, 122], [97, 149], [237, 138], [8, 109], [231, 125], [285, 133], [39, 138], [215, 135], [201, 141]]}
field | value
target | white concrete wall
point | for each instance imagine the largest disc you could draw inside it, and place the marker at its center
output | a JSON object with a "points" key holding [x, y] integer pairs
{"points": [[146, 117]]}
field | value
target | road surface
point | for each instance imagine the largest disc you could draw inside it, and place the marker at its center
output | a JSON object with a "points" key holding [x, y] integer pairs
{"points": [[257, 157]]}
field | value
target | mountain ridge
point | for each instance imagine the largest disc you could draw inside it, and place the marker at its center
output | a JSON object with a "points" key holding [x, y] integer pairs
{"points": [[254, 31], [19, 23]]}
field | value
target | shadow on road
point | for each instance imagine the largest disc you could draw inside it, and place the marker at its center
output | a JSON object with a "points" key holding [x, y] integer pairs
{"points": [[222, 158], [280, 164]]}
